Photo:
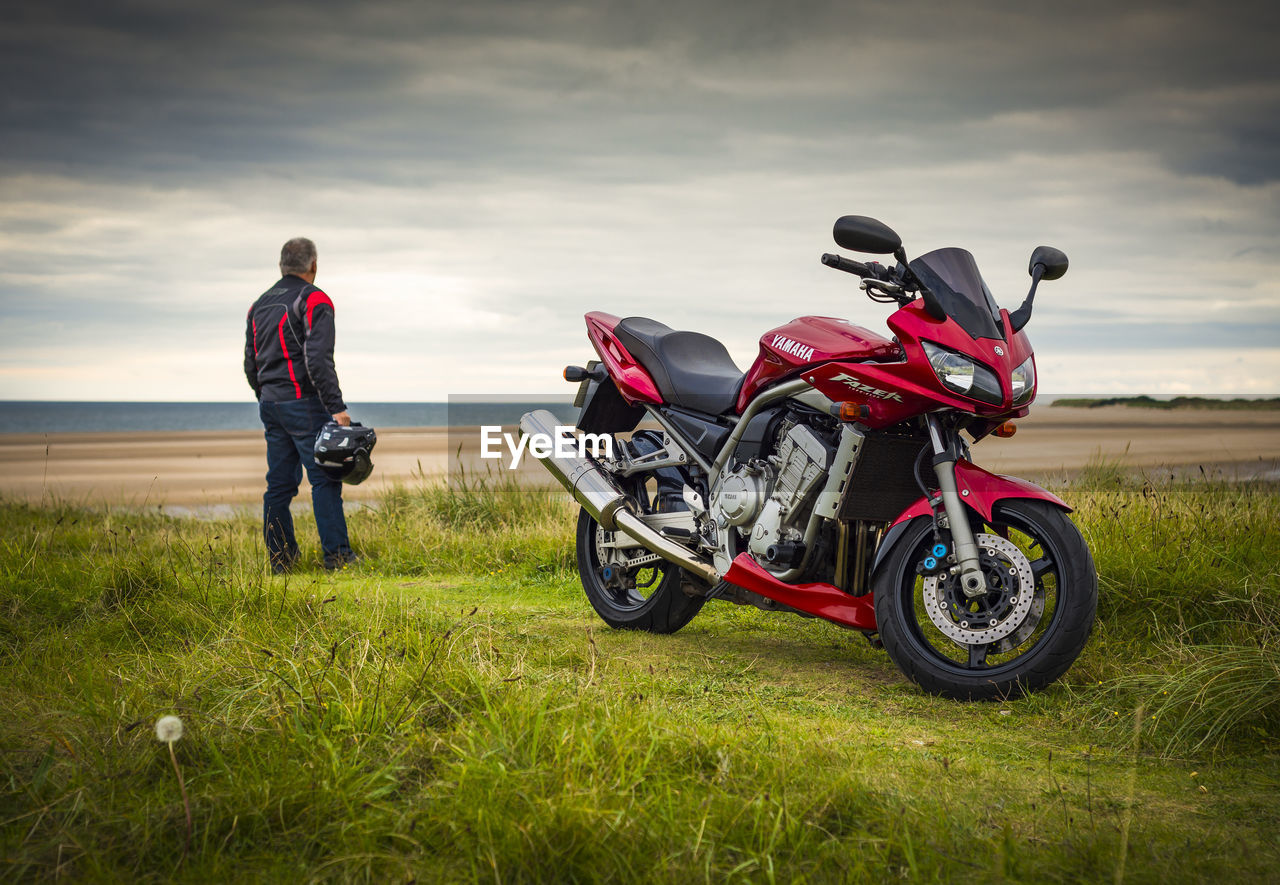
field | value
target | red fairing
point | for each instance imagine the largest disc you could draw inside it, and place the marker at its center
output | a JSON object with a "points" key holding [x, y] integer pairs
{"points": [[897, 391], [786, 350], [982, 491], [824, 600], [633, 380]]}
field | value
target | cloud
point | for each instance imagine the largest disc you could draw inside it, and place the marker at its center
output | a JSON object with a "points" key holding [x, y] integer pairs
{"points": [[479, 175], [405, 92]]}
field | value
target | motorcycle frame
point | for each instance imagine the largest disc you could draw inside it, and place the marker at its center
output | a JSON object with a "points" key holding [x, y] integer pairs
{"points": [[889, 393]]}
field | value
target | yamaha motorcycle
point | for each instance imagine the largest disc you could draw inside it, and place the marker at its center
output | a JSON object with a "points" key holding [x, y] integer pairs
{"points": [[834, 478]]}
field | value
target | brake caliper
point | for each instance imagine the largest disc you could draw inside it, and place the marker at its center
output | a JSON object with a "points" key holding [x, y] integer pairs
{"points": [[935, 561]]}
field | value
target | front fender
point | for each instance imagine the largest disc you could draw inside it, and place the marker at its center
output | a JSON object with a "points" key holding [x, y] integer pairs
{"points": [[978, 489], [982, 491]]}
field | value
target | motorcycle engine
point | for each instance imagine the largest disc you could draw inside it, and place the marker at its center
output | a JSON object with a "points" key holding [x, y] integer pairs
{"points": [[770, 501]]}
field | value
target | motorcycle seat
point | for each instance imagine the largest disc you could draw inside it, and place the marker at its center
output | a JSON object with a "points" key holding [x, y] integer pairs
{"points": [[691, 369]]}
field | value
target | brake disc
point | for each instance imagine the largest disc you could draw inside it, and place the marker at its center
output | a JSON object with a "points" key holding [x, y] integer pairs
{"points": [[1019, 636], [1009, 599]]}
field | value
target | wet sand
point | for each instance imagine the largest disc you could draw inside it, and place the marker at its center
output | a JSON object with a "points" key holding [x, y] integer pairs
{"points": [[204, 468], [1054, 441], [185, 468]]}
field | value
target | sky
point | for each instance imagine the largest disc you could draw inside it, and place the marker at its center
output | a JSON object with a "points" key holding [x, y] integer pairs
{"points": [[478, 175]]}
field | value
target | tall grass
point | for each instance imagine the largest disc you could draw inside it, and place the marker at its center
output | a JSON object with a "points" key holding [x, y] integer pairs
{"points": [[1189, 603], [471, 523]]}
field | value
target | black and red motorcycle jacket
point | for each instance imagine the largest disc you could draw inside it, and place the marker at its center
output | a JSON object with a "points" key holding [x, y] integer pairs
{"points": [[288, 345]]}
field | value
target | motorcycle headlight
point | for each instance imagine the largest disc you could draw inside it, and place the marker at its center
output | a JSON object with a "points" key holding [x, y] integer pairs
{"points": [[963, 375], [1024, 382]]}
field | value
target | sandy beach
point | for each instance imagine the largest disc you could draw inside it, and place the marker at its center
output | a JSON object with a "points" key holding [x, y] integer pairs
{"points": [[197, 469]]}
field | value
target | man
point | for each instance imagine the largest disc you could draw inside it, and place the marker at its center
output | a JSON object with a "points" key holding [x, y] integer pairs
{"points": [[288, 360]]}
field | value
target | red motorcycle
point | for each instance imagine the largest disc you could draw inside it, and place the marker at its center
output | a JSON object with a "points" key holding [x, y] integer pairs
{"points": [[833, 479]]}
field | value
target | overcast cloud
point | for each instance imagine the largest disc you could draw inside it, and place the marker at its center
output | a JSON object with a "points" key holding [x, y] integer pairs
{"points": [[479, 175]]}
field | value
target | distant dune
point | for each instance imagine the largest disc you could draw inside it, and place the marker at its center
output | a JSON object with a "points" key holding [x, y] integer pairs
{"points": [[1177, 402]]}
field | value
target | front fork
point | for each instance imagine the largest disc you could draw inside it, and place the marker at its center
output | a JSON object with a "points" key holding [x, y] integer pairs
{"points": [[972, 580]]}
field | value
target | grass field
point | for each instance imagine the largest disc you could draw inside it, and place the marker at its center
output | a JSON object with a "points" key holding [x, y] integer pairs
{"points": [[453, 710]]}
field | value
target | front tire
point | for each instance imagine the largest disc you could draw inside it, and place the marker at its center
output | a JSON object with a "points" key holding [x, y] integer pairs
{"points": [[649, 597], [1020, 636]]}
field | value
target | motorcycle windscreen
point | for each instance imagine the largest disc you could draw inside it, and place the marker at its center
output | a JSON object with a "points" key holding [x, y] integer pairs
{"points": [[953, 276]]}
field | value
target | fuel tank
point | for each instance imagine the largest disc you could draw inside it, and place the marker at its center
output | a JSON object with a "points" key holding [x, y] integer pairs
{"points": [[808, 340]]}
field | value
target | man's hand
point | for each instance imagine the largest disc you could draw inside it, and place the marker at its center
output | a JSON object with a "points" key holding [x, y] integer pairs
{"points": [[343, 418]]}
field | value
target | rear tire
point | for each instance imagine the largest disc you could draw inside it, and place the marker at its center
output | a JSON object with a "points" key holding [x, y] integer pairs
{"points": [[647, 598], [1043, 646]]}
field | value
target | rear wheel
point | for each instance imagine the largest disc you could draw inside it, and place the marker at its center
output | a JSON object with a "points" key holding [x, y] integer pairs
{"points": [[1020, 635], [630, 588]]}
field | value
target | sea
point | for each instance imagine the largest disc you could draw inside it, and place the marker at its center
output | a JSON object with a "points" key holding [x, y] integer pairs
{"points": [[26, 416], [30, 416]]}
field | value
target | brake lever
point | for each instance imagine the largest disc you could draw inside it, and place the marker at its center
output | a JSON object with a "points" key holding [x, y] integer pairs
{"points": [[884, 285], [883, 290]]}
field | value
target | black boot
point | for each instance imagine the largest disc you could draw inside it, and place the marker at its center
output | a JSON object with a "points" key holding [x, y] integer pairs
{"points": [[337, 561]]}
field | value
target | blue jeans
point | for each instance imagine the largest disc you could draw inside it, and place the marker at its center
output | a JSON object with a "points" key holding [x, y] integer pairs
{"points": [[291, 428]]}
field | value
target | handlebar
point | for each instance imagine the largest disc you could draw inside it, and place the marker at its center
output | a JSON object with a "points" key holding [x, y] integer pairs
{"points": [[874, 276], [899, 288]]}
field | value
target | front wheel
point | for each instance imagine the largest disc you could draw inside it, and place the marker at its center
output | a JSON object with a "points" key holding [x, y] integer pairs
{"points": [[630, 588], [1026, 629]]}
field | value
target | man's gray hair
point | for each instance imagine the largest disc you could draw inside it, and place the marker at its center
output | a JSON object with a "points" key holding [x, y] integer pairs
{"points": [[297, 255]]}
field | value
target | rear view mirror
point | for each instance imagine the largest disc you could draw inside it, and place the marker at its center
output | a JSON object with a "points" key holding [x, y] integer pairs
{"points": [[858, 233], [1054, 262], [1047, 263]]}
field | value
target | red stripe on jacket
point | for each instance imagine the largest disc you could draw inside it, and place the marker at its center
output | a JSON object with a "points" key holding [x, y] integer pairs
{"points": [[315, 298], [297, 389]]}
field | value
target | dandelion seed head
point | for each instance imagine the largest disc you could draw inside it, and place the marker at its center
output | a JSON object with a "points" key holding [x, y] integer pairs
{"points": [[168, 729]]}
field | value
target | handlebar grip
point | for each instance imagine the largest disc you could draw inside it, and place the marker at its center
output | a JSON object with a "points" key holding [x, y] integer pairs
{"points": [[844, 264]]}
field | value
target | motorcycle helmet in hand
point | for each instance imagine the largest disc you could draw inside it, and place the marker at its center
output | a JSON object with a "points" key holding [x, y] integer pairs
{"points": [[343, 452]]}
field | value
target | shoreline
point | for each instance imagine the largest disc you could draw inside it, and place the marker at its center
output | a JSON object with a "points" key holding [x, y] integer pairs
{"points": [[197, 468]]}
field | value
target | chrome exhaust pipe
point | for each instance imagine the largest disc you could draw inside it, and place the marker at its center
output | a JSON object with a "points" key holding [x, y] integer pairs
{"points": [[594, 489], [590, 486], [667, 548]]}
